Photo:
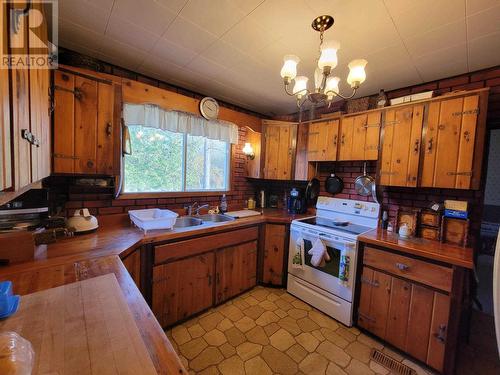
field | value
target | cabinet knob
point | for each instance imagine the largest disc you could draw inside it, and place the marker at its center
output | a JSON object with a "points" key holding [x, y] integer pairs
{"points": [[109, 129], [90, 163], [416, 146], [441, 334], [467, 136], [402, 267], [429, 145]]}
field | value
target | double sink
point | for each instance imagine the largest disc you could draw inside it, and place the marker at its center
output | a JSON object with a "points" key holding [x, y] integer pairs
{"points": [[194, 221]]}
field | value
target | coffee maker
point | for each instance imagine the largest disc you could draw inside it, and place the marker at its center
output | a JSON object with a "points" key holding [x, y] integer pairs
{"points": [[297, 202]]}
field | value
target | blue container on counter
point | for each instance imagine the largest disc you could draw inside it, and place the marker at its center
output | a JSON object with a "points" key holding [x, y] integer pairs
{"points": [[9, 303]]}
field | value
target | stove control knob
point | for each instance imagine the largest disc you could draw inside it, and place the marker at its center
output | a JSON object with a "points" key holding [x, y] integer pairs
{"points": [[358, 205]]}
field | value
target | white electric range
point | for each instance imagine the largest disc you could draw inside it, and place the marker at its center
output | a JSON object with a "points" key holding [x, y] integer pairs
{"points": [[338, 223]]}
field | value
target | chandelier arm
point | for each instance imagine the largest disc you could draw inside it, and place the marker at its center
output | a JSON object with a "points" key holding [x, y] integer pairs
{"points": [[300, 102], [287, 90], [342, 96]]}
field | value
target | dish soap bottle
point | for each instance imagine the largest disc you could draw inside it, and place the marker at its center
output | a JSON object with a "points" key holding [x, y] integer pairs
{"points": [[223, 204]]}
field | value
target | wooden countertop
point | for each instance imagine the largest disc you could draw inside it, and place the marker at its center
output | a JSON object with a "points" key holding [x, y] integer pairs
{"points": [[85, 256], [434, 250]]}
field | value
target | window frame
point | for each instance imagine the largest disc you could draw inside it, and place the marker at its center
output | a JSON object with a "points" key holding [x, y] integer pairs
{"points": [[184, 192]]}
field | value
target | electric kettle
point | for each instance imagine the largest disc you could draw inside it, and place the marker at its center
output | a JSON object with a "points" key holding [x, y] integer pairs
{"points": [[82, 222]]}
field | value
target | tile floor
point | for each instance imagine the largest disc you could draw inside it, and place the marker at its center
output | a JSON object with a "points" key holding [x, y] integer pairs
{"points": [[268, 331]]}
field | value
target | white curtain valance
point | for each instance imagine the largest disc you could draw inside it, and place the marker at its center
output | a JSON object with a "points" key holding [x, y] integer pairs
{"points": [[179, 122]]}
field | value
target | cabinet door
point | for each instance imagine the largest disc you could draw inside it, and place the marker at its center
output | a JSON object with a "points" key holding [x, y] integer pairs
{"points": [[64, 122], [402, 131], [274, 254], [132, 263], [105, 129], [5, 133], [449, 143], [346, 135], [419, 322], [365, 298], [379, 304], [322, 141], [20, 109], [397, 319], [182, 288], [85, 125], [279, 151], [438, 332], [236, 270]]}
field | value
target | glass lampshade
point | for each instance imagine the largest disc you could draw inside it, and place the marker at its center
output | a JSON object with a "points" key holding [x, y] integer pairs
{"points": [[332, 86], [247, 150], [357, 73], [318, 78], [289, 69], [300, 86], [328, 57]]}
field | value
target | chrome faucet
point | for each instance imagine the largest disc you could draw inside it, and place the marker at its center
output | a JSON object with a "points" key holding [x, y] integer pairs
{"points": [[196, 207]]}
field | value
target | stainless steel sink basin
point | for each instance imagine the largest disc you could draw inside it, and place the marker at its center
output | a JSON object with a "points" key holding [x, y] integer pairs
{"points": [[187, 221], [217, 218]]}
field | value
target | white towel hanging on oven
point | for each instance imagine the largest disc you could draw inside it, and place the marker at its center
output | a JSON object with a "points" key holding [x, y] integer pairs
{"points": [[319, 254], [298, 256]]}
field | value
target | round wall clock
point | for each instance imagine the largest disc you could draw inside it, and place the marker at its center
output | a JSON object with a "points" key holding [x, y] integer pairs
{"points": [[209, 108]]}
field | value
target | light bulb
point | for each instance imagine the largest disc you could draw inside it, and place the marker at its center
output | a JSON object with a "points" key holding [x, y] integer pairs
{"points": [[328, 57], [332, 87], [357, 73], [289, 69], [300, 87]]}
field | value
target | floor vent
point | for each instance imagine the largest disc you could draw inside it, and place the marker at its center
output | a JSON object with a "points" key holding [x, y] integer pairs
{"points": [[391, 364]]}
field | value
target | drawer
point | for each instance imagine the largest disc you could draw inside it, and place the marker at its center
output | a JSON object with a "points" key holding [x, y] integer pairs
{"points": [[182, 249], [429, 233], [431, 274], [430, 218]]}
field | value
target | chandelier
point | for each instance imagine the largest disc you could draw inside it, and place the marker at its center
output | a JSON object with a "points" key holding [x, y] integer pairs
{"points": [[326, 86]]}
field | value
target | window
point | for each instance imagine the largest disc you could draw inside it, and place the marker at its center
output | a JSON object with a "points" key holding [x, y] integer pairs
{"points": [[165, 161]]}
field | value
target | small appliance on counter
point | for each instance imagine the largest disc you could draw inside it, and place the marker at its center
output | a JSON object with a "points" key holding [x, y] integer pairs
{"points": [[297, 203], [28, 212], [82, 222]]}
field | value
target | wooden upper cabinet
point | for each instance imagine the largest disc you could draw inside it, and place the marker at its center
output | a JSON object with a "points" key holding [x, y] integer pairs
{"points": [[453, 142], [359, 136], [401, 140], [322, 140], [280, 142], [86, 124], [5, 130]]}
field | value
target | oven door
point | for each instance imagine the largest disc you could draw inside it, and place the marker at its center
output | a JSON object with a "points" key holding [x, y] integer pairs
{"points": [[327, 277]]}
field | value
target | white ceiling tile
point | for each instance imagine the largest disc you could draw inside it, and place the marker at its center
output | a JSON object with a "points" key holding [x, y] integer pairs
{"points": [[188, 35], [121, 54], [446, 62], [165, 49], [474, 6], [207, 68], [79, 35], [130, 34], [414, 17], [483, 23], [153, 17], [442, 37], [85, 13], [161, 68], [283, 17], [480, 52], [224, 54], [78, 48], [215, 16], [172, 5], [250, 35]]}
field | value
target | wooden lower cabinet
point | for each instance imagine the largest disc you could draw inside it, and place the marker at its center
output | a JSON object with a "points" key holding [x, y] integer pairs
{"points": [[406, 314], [275, 245], [183, 288], [132, 263], [236, 270], [192, 275]]}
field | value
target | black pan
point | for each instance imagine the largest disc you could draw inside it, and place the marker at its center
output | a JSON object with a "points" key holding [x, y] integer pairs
{"points": [[334, 184], [312, 190]]}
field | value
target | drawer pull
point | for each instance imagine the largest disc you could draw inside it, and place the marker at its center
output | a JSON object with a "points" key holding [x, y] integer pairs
{"points": [[402, 266], [441, 335]]}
